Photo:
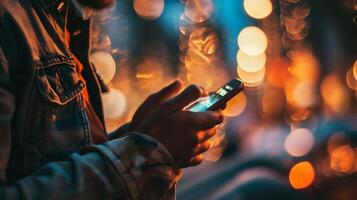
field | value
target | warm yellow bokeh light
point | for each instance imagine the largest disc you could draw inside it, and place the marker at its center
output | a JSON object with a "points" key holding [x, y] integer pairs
{"points": [[300, 93], [114, 103], [252, 41], [151, 74], [149, 9], [299, 142], [104, 64], [198, 10], [204, 39], [236, 105], [258, 9], [251, 79], [251, 63], [305, 65], [301, 175], [335, 95]]}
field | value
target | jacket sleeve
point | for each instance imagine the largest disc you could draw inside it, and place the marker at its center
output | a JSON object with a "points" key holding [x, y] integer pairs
{"points": [[119, 131], [132, 167]]}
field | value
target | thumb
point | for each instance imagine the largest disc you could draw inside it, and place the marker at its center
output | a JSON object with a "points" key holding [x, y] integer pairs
{"points": [[186, 97], [164, 94], [154, 100]]}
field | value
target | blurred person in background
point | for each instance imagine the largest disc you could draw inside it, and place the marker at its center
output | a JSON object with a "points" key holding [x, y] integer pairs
{"points": [[53, 141]]}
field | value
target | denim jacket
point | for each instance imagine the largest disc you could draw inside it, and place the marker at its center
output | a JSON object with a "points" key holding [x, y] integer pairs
{"points": [[46, 150]]}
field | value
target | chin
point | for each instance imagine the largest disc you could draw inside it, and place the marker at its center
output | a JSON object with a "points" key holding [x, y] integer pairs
{"points": [[97, 4]]}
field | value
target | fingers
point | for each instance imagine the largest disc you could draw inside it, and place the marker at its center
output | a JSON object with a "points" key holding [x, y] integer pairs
{"points": [[165, 93], [196, 160], [204, 92], [205, 135], [206, 120], [202, 147], [153, 101], [189, 95]]}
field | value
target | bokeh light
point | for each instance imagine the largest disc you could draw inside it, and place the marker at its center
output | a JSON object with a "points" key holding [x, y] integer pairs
{"points": [[251, 79], [272, 108], [305, 66], [236, 105], [252, 41], [204, 39], [199, 10], [343, 159], [301, 94], [351, 80], [251, 63], [149, 9], [277, 72], [105, 65], [301, 175], [218, 145], [151, 74], [335, 95], [355, 69], [258, 9], [299, 142], [114, 103]]}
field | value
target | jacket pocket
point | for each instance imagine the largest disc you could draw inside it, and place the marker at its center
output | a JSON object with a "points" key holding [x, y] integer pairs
{"points": [[60, 122], [59, 84]]}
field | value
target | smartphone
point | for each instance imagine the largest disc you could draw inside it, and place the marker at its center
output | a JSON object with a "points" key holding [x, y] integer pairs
{"points": [[217, 99]]}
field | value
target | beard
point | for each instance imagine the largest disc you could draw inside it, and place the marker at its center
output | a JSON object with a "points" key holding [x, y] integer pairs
{"points": [[96, 4]]}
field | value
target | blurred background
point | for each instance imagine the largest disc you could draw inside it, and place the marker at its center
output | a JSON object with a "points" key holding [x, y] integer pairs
{"points": [[291, 134]]}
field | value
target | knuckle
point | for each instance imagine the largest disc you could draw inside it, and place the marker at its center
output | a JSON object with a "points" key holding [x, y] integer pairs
{"points": [[151, 98], [195, 89]]}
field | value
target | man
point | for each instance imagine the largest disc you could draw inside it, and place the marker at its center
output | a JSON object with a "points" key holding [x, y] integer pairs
{"points": [[53, 143]]}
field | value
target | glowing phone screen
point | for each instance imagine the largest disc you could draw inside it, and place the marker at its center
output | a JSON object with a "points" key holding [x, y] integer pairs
{"points": [[204, 103]]}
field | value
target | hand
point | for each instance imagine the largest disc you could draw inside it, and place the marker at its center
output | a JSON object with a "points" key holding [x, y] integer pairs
{"points": [[155, 100], [152, 102], [185, 134]]}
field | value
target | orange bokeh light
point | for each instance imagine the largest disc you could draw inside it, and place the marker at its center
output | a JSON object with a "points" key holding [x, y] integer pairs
{"points": [[277, 71], [236, 105], [301, 175], [335, 94], [305, 66], [343, 159]]}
